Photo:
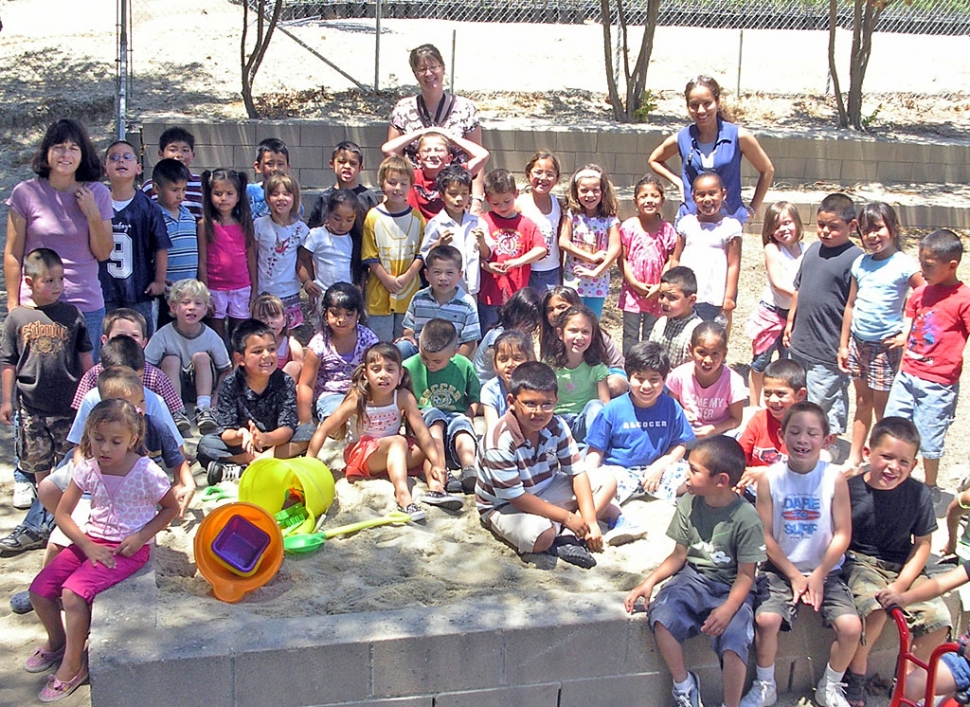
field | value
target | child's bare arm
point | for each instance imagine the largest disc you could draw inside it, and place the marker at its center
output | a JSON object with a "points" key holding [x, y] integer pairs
{"points": [[253, 268], [537, 253], [86, 359], [658, 163], [955, 511], [389, 282], [790, 324], [184, 487], [157, 286], [843, 355], [467, 349], [395, 146], [166, 514], [347, 407], [672, 564], [914, 564], [584, 499], [409, 406], [718, 620], [924, 591], [405, 278], [9, 377], [305, 386], [477, 155], [775, 270], [306, 272], [678, 252], [203, 253], [612, 252], [733, 274]]}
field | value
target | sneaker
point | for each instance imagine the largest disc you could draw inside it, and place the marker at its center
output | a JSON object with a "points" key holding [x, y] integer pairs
{"points": [[468, 478], [223, 471], [183, 423], [761, 694], [830, 694], [206, 421], [22, 539], [20, 603], [443, 500], [690, 698], [624, 531], [571, 549], [414, 511], [23, 495], [855, 689], [453, 485]]}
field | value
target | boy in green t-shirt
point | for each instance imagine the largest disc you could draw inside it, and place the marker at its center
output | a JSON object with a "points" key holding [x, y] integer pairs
{"points": [[447, 390]]}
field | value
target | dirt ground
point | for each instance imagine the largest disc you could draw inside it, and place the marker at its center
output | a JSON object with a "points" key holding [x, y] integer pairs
{"points": [[184, 63]]}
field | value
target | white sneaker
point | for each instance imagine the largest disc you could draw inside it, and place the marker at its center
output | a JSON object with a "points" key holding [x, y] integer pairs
{"points": [[762, 694], [23, 495], [625, 531], [830, 694], [691, 698]]}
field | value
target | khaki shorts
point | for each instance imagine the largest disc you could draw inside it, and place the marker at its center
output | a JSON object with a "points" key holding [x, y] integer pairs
{"points": [[775, 597], [521, 530], [866, 575]]}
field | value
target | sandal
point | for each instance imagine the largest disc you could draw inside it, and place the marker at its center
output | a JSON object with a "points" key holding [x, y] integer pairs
{"points": [[42, 659], [855, 689], [56, 690], [20, 603]]}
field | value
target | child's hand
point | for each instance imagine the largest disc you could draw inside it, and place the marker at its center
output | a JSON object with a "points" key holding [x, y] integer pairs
{"points": [[100, 555], [257, 436], [312, 289], [717, 621], [651, 478], [598, 257], [444, 238], [582, 271], [703, 431], [749, 478], [799, 586], [651, 291], [392, 285], [155, 288], [479, 234], [843, 359], [183, 494], [577, 525], [500, 268], [6, 413], [815, 590], [949, 548], [641, 591], [786, 336], [246, 440], [437, 474], [594, 538], [729, 305], [887, 597], [895, 342], [130, 545]]}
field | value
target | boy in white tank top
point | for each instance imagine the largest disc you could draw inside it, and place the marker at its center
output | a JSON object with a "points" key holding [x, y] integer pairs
{"points": [[804, 506]]}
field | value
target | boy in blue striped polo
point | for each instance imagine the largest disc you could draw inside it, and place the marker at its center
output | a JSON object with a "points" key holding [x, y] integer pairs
{"points": [[443, 299]]}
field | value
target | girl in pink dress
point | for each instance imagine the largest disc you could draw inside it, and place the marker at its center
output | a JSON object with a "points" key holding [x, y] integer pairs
{"points": [[126, 490], [647, 241], [227, 247]]}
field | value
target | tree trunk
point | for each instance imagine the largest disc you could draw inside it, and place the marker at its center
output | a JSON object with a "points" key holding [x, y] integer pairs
{"points": [[615, 101], [636, 79], [867, 13], [264, 34], [833, 69]]}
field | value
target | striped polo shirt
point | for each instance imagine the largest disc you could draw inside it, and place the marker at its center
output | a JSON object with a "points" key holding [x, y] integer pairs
{"points": [[461, 310]]}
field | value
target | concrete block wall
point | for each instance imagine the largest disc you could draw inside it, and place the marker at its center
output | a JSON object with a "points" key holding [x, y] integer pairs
{"points": [[571, 652]]}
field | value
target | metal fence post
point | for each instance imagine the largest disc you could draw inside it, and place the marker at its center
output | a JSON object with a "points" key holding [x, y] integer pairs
{"points": [[377, 46]]}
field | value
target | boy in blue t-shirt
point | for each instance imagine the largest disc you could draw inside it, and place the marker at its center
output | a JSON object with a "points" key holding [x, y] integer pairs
{"points": [[272, 158], [134, 274], [642, 436]]}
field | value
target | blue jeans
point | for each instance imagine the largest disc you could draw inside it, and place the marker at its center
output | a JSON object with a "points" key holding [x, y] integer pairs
{"points": [[406, 348], [544, 280], [595, 304], [149, 310], [579, 423], [95, 321]]}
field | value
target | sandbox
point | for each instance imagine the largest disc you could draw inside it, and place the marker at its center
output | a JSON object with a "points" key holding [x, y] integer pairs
{"points": [[440, 614]]}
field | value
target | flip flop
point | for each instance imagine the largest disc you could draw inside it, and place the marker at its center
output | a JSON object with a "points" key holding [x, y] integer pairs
{"points": [[56, 690]]}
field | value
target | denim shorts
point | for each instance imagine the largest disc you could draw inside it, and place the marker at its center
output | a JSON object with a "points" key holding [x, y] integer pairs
{"points": [[455, 424], [931, 407], [829, 388], [959, 668], [686, 600]]}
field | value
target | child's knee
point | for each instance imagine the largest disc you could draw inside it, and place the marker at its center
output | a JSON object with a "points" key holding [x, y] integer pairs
{"points": [[201, 360], [544, 541], [848, 627], [72, 601], [767, 622]]}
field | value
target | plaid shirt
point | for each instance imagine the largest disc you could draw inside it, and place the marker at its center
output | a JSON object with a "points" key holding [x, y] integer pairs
{"points": [[155, 380]]}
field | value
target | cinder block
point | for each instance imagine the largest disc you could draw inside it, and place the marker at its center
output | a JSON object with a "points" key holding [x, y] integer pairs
{"points": [[301, 676], [544, 653], [505, 159], [531, 141], [523, 696], [957, 173], [845, 149], [911, 152], [310, 157], [576, 141], [617, 142], [288, 132], [315, 178], [320, 135], [213, 157], [191, 681], [789, 169], [421, 701], [240, 133], [807, 149], [499, 140], [894, 171], [879, 151], [243, 157], [649, 140], [612, 691], [858, 171], [825, 169], [928, 172], [429, 663], [775, 147]]}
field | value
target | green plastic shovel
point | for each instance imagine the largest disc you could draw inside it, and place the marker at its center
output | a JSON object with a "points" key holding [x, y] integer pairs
{"points": [[311, 541]]}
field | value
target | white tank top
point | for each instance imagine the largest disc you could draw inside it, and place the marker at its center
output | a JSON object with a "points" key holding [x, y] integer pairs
{"points": [[549, 228], [789, 268], [802, 513], [380, 420]]}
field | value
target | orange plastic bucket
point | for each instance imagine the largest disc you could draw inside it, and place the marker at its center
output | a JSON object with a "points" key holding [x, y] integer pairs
{"points": [[227, 585], [267, 483]]}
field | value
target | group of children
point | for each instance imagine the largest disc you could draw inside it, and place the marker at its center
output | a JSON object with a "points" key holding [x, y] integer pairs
{"points": [[467, 348]]}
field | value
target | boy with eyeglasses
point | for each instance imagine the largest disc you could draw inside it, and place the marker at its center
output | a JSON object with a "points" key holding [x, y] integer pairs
{"points": [[133, 276], [533, 490]]}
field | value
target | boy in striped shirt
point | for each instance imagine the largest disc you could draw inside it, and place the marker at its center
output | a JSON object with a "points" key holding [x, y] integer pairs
{"points": [[533, 490]]}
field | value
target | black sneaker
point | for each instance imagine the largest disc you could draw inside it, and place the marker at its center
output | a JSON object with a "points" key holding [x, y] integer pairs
{"points": [[468, 479], [206, 421], [453, 485], [571, 549], [21, 540], [223, 471], [442, 500]]}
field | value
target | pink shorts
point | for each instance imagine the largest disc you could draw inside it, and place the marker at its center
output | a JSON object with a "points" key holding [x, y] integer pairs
{"points": [[72, 570], [357, 454], [235, 303]]}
